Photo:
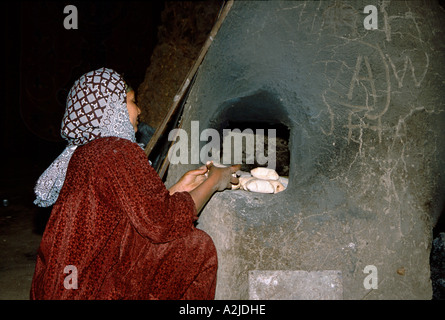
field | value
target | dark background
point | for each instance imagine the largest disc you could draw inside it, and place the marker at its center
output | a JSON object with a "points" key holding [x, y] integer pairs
{"points": [[41, 61]]}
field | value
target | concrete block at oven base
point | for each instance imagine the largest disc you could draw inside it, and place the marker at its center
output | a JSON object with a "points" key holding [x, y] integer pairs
{"points": [[295, 285]]}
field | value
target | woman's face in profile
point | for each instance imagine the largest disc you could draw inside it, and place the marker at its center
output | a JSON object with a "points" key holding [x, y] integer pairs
{"points": [[133, 109]]}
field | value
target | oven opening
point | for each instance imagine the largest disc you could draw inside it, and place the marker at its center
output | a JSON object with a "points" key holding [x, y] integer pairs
{"points": [[255, 144], [254, 131]]}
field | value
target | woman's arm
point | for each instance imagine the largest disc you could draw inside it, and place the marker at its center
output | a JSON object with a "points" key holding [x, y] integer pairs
{"points": [[201, 186], [190, 180], [218, 179]]}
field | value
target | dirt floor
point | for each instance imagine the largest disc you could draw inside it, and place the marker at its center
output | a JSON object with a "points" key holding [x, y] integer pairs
{"points": [[18, 246], [21, 228]]}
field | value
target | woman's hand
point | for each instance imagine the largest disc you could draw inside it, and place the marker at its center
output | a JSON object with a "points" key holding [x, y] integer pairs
{"points": [[190, 180], [224, 176], [218, 179]]}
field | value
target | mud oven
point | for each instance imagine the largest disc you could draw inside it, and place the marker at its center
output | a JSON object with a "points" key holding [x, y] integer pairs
{"points": [[359, 117]]}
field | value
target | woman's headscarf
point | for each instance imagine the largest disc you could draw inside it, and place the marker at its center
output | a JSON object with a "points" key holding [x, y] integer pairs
{"points": [[96, 107]]}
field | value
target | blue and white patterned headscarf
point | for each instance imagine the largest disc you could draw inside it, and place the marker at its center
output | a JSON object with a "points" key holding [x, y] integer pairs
{"points": [[96, 107]]}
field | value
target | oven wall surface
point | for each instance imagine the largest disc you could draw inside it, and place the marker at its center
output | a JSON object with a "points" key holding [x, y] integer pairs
{"points": [[365, 109]]}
